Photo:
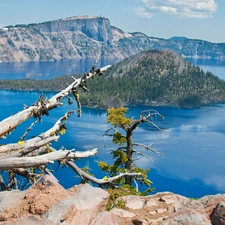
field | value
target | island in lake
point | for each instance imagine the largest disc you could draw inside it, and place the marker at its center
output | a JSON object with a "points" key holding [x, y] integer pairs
{"points": [[151, 77]]}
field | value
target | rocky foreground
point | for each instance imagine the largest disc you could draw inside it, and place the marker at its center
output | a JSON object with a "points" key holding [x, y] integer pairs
{"points": [[48, 203]]}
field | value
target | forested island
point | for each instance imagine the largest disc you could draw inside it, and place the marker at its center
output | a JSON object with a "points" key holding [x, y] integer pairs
{"points": [[151, 77]]}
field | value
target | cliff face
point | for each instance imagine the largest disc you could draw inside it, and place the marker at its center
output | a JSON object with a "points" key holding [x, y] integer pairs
{"points": [[90, 37], [97, 28]]}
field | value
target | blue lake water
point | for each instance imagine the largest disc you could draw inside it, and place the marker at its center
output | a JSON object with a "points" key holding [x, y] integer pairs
{"points": [[46, 70], [211, 65], [193, 147]]}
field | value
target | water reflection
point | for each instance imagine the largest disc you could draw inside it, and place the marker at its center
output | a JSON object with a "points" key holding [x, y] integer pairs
{"points": [[47, 70]]}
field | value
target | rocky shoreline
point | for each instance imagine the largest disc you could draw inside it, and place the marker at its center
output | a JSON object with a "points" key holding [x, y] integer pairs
{"points": [[47, 202]]}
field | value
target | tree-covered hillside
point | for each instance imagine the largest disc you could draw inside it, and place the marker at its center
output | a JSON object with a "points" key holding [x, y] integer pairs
{"points": [[148, 78], [158, 78]]}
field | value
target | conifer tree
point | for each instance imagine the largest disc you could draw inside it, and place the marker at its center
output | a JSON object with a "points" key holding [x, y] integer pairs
{"points": [[122, 134]]}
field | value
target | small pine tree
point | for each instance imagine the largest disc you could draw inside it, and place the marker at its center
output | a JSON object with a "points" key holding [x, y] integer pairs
{"points": [[124, 154]]}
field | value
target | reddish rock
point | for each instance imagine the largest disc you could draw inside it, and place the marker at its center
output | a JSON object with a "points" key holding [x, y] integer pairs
{"points": [[192, 213], [106, 218], [133, 202], [207, 210], [210, 202], [48, 203], [122, 213], [82, 208]]}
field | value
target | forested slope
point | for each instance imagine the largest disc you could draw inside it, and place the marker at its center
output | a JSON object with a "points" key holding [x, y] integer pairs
{"points": [[148, 78], [158, 78]]}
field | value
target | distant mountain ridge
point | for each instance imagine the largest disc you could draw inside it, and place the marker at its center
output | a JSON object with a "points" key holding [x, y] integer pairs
{"points": [[177, 38], [90, 37]]}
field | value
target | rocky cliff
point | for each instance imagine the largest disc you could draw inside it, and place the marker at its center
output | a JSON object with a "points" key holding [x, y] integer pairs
{"points": [[48, 203], [89, 37]]}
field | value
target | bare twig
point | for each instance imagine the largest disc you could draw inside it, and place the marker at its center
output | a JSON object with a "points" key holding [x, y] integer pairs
{"points": [[28, 129], [147, 148], [139, 153], [2, 183], [154, 125]]}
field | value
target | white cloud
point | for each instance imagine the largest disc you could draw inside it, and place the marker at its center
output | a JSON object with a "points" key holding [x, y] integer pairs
{"points": [[167, 9], [141, 11], [218, 181], [178, 8]]}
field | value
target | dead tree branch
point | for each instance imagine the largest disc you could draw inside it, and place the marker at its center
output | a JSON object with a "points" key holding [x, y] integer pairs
{"points": [[95, 180], [42, 106], [36, 161], [25, 147], [147, 148]]}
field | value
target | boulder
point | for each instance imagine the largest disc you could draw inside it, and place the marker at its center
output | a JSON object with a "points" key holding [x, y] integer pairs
{"points": [[207, 210], [192, 213], [218, 215], [133, 202], [81, 208], [48, 203], [122, 213]]}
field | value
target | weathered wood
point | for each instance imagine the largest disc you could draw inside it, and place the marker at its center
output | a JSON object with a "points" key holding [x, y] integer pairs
{"points": [[95, 180], [42, 107], [25, 162], [29, 145]]}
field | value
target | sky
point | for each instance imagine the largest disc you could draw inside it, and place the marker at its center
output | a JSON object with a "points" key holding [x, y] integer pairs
{"points": [[196, 19]]}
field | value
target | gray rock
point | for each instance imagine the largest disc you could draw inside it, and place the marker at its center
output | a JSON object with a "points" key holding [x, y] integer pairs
{"points": [[192, 213], [210, 202], [106, 218], [207, 210], [48, 203], [218, 215], [122, 213], [133, 202], [6, 200], [176, 200], [79, 209]]}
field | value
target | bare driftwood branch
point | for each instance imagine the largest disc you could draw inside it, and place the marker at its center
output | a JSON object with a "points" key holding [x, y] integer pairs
{"points": [[42, 106], [25, 162], [87, 176], [34, 146], [25, 147]]}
